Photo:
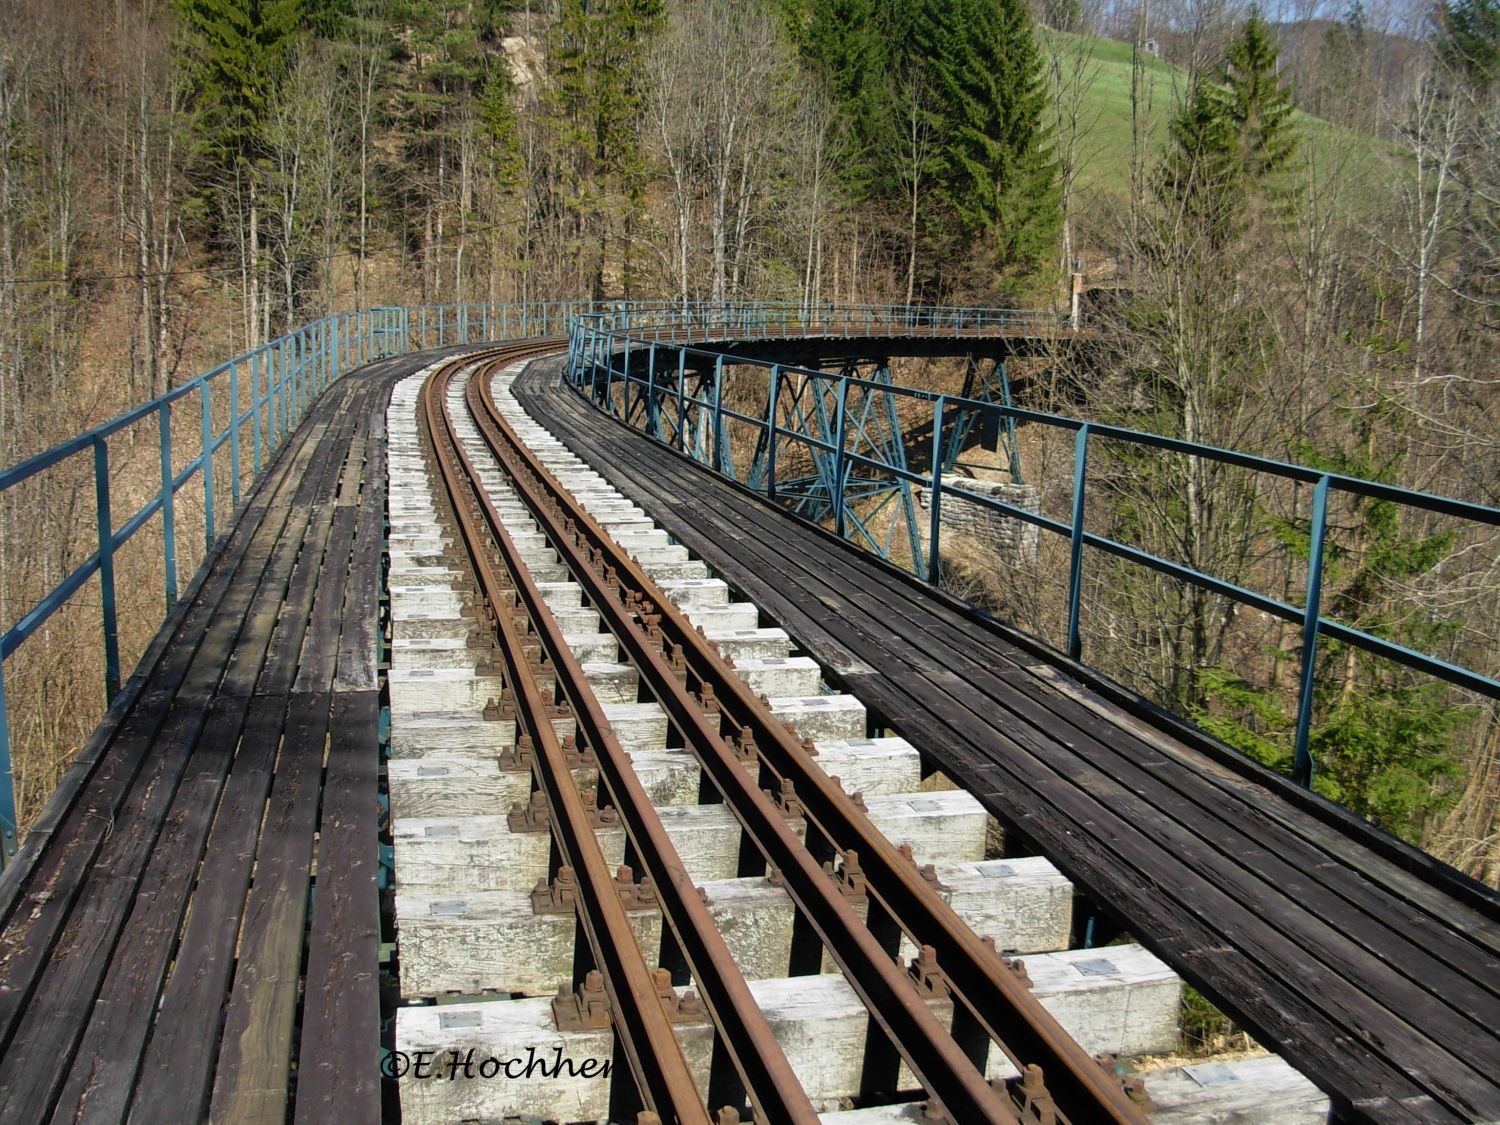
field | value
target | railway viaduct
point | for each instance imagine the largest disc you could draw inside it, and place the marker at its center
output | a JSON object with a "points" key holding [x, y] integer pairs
{"points": [[567, 723]]}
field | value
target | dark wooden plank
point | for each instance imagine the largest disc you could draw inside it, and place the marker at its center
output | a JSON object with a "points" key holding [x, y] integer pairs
{"points": [[98, 1082], [320, 645], [337, 1077], [251, 1084], [176, 1075], [169, 713], [291, 631], [359, 641], [117, 897], [118, 1025], [683, 502]]}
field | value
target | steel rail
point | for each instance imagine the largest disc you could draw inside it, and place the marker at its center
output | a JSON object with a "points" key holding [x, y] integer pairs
{"points": [[999, 1003], [886, 990], [643, 1029], [769, 1081]]}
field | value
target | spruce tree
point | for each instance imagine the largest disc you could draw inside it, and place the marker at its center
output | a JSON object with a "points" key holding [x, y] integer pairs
{"points": [[1230, 140], [236, 51], [1200, 181], [1257, 105], [842, 42], [996, 172], [1468, 41]]}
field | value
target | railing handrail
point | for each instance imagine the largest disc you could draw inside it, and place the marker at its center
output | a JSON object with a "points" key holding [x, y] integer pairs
{"points": [[595, 344], [286, 376]]}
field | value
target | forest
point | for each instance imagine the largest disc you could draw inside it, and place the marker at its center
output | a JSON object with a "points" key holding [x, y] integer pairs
{"points": [[1287, 223]]}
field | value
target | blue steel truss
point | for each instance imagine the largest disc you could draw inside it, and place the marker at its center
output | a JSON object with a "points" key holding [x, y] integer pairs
{"points": [[981, 384], [811, 431], [852, 434]]}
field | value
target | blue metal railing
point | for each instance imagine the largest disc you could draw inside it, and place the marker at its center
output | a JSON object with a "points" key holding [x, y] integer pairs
{"points": [[697, 322], [600, 347], [284, 378]]}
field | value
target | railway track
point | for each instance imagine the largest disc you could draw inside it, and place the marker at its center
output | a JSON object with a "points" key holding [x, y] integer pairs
{"points": [[577, 612]]}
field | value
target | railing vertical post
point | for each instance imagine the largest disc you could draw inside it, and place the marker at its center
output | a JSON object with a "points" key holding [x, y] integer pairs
{"points": [[273, 392], [257, 404], [681, 399], [234, 434], [935, 494], [289, 365], [9, 829], [594, 369], [206, 461], [771, 432], [651, 391], [1302, 763], [1075, 560], [624, 386], [609, 379], [299, 374], [336, 362], [838, 459], [718, 414], [288, 384], [168, 506], [109, 615], [278, 366]]}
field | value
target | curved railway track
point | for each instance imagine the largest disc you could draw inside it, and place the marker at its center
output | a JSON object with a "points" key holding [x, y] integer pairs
{"points": [[763, 773]]}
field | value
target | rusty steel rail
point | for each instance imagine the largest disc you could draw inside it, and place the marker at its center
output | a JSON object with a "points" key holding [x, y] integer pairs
{"points": [[761, 1071], [643, 1028], [887, 991], [991, 1003]]}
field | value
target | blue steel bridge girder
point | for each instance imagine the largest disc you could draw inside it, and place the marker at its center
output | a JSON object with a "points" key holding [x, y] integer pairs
{"points": [[807, 406], [985, 381]]}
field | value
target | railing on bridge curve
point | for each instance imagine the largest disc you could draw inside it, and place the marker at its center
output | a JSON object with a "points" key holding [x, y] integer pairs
{"points": [[601, 344], [697, 322], [267, 391]]}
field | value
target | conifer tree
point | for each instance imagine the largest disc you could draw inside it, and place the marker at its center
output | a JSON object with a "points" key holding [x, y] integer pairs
{"points": [[1231, 139], [1469, 41], [596, 56], [236, 52], [1257, 105], [996, 172], [843, 43]]}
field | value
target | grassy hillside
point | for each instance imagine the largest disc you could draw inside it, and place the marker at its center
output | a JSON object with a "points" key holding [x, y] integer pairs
{"points": [[1105, 150]]}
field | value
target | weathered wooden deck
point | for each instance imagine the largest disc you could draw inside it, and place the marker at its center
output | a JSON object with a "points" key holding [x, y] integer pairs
{"points": [[192, 930]]}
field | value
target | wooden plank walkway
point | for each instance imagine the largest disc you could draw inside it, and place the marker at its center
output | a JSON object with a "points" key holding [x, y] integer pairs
{"points": [[1368, 965], [154, 928]]}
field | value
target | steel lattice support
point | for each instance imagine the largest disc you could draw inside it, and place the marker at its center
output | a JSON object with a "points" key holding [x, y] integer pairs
{"points": [[983, 384], [839, 419]]}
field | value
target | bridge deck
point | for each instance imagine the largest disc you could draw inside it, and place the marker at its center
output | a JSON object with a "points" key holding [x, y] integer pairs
{"points": [[1366, 964], [154, 927]]}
